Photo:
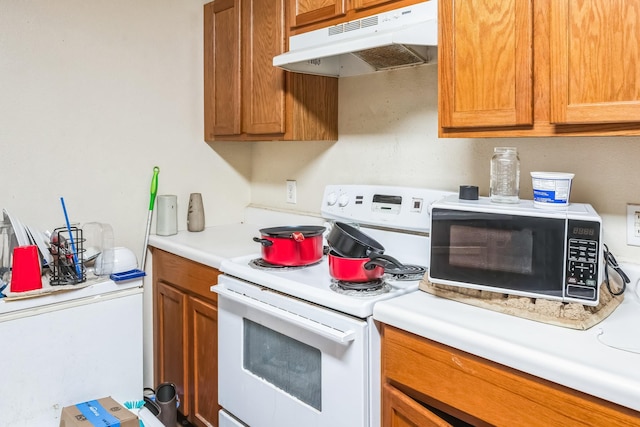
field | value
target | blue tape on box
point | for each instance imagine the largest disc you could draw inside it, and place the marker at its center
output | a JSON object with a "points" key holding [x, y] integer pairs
{"points": [[97, 415]]}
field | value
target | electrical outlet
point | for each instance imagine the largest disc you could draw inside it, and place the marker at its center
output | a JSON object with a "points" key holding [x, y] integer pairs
{"points": [[291, 191], [633, 224]]}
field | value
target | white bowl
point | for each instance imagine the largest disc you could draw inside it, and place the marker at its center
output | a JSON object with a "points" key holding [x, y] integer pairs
{"points": [[115, 260]]}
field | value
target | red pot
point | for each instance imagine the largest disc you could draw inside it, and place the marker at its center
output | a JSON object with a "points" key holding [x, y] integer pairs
{"points": [[292, 245], [360, 269], [353, 269]]}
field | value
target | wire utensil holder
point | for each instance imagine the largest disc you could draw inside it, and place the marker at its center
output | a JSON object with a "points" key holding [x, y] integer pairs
{"points": [[63, 267]]}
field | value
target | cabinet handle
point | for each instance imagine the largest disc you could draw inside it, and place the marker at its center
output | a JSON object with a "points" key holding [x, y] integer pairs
{"points": [[335, 335]]}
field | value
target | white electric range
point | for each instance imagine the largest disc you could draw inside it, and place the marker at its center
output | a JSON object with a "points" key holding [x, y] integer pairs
{"points": [[294, 340]]}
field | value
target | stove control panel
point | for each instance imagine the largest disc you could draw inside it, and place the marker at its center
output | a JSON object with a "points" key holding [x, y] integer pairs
{"points": [[404, 208]]}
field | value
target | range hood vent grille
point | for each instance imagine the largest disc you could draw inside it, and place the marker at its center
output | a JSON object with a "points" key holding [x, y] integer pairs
{"points": [[390, 57], [370, 21]]}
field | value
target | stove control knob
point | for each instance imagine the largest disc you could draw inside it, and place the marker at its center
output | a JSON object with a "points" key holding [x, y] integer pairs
{"points": [[332, 198], [343, 200]]}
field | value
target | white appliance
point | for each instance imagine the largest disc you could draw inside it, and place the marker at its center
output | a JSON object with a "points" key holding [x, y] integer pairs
{"points": [[393, 39], [69, 347], [300, 350], [518, 248]]}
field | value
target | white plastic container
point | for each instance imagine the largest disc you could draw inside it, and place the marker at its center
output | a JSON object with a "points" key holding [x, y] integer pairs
{"points": [[551, 189]]}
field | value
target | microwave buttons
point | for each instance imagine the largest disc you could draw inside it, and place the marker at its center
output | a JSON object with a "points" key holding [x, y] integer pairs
{"points": [[581, 273]]}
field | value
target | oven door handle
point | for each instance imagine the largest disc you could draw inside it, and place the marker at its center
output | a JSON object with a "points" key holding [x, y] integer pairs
{"points": [[335, 335]]}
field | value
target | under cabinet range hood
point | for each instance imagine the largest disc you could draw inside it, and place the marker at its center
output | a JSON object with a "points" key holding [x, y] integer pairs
{"points": [[398, 38]]}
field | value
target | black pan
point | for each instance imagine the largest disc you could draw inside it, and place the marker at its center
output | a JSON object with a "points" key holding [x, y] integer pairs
{"points": [[350, 242]]}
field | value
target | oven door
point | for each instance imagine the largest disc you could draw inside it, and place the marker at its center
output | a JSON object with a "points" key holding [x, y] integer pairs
{"points": [[523, 254], [284, 362]]}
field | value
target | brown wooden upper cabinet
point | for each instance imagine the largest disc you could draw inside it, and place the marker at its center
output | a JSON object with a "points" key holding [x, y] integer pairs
{"points": [[246, 98], [307, 15], [304, 12], [595, 61], [512, 68]]}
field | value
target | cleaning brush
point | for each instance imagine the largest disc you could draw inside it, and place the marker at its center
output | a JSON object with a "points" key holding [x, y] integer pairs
{"points": [[135, 404]]}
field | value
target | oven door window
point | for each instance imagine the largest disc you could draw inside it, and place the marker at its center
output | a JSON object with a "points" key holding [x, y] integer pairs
{"points": [[503, 251], [284, 362]]}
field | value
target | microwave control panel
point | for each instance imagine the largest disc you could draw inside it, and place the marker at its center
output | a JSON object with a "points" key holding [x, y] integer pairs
{"points": [[583, 256]]}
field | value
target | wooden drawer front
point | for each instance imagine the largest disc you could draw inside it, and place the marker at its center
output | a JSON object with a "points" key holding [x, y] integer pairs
{"points": [[491, 392], [401, 411], [181, 272]]}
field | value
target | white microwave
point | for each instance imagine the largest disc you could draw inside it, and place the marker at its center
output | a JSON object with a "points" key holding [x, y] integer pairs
{"points": [[517, 249]]}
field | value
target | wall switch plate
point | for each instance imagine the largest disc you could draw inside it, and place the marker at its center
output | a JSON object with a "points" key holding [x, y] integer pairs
{"points": [[291, 191], [633, 224]]}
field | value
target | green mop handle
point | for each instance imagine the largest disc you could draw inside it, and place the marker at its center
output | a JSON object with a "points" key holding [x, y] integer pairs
{"points": [[154, 187], [154, 191]]}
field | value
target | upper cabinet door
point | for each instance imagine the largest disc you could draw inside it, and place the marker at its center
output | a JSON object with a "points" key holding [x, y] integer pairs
{"points": [[263, 85], [485, 65], [595, 61], [222, 68], [304, 12]]}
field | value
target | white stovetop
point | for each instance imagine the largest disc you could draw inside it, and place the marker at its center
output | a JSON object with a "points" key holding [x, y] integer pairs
{"points": [[314, 284], [576, 359]]}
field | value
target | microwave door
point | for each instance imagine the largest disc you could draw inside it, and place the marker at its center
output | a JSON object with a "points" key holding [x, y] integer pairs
{"points": [[497, 251]]}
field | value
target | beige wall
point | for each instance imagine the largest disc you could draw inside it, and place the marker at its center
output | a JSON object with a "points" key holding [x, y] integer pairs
{"points": [[93, 94], [388, 135]]}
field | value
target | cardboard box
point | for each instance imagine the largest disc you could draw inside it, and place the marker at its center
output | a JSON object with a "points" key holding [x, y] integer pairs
{"points": [[104, 412]]}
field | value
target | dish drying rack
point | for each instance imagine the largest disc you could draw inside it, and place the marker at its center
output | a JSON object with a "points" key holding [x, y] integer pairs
{"points": [[64, 270]]}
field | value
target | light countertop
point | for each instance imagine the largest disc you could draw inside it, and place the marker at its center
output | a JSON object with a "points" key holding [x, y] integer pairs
{"points": [[576, 359], [212, 245], [217, 243], [573, 358]]}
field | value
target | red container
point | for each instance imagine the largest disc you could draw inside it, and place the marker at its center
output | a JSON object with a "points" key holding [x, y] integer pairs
{"points": [[353, 269], [25, 274], [291, 245]]}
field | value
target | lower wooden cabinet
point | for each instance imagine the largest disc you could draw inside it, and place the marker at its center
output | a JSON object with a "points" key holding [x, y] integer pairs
{"points": [[186, 334], [426, 383], [402, 411]]}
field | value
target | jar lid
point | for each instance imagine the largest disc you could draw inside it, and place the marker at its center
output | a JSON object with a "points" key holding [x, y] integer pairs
{"points": [[468, 192]]}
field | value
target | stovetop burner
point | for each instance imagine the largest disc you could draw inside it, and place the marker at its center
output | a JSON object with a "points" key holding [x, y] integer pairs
{"points": [[407, 272], [261, 264], [360, 289]]}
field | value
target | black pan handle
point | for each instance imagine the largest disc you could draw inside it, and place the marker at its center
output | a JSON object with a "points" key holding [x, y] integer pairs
{"points": [[382, 260], [263, 242]]}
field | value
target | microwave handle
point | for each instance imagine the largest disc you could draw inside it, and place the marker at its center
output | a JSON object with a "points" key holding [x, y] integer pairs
{"points": [[340, 337]]}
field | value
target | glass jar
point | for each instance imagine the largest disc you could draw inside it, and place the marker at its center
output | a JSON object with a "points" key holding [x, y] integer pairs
{"points": [[504, 186]]}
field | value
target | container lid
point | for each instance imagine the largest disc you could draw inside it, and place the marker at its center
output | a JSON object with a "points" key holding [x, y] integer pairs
{"points": [[552, 175]]}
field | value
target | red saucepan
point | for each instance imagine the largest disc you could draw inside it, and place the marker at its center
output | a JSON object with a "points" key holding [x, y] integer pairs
{"points": [[292, 245], [359, 269]]}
